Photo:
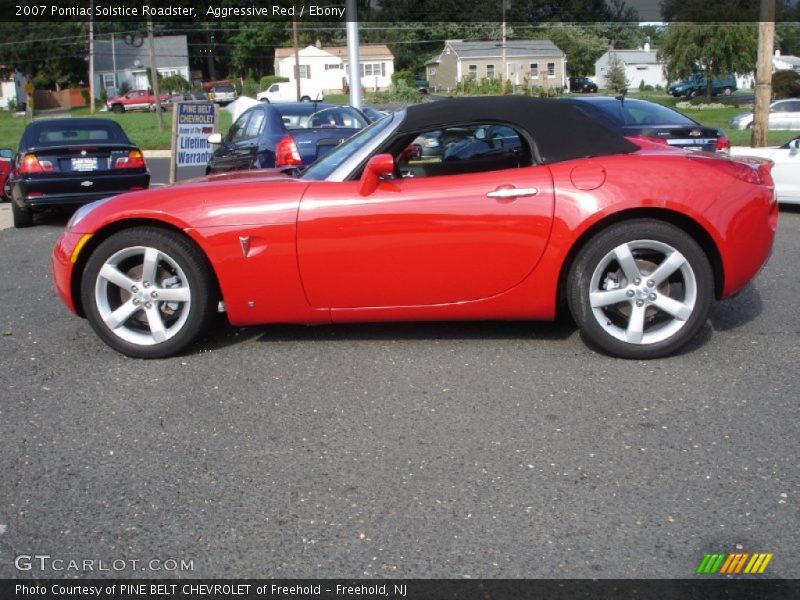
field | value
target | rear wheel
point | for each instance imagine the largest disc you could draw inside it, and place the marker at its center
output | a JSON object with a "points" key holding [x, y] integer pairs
{"points": [[118, 108], [22, 215], [148, 292], [305, 99], [640, 289]]}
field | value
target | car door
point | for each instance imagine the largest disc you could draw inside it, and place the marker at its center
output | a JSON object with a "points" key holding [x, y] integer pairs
{"points": [[227, 157], [786, 171], [781, 116], [442, 231]]}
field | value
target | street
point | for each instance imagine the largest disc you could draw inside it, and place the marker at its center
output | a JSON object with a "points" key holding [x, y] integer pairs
{"points": [[497, 450]]}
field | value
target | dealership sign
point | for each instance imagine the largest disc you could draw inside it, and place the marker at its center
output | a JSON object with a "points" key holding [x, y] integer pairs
{"points": [[192, 124]]}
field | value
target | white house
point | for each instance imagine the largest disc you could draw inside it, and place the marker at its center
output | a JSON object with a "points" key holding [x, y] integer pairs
{"points": [[640, 65], [329, 66], [120, 60], [785, 62], [12, 89]]}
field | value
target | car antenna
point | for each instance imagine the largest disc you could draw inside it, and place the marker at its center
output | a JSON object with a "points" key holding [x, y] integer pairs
{"points": [[621, 96]]}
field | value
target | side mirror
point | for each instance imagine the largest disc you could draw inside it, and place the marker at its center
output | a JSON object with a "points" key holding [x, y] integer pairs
{"points": [[215, 138], [6, 153], [379, 166]]}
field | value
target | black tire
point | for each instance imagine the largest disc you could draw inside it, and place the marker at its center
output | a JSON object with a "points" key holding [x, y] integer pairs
{"points": [[694, 280], [264, 100], [118, 108], [199, 280], [22, 215], [693, 94], [305, 99]]}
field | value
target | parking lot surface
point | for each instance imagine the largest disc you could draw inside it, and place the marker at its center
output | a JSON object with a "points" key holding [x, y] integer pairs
{"points": [[398, 450]]}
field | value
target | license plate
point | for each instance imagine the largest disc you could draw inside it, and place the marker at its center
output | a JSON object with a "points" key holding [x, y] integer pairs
{"points": [[84, 164]]}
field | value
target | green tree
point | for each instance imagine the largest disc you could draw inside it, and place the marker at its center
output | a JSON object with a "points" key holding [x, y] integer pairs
{"points": [[712, 49], [615, 77]]}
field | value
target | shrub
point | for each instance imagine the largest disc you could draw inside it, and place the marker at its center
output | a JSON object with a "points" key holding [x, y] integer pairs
{"points": [[250, 87], [786, 84], [174, 83], [85, 96], [401, 92], [615, 78], [268, 80], [124, 88], [403, 75]]}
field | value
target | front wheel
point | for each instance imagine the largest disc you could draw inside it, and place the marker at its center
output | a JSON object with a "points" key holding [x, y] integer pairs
{"points": [[305, 99], [118, 109], [148, 292], [640, 289]]}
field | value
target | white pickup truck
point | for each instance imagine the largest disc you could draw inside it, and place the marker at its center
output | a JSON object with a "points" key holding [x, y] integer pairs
{"points": [[286, 91]]}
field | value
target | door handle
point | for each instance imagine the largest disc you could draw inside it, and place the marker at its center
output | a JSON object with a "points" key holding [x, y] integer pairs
{"points": [[513, 193]]}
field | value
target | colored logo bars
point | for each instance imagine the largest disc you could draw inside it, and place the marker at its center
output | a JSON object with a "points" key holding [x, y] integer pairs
{"points": [[734, 564]]}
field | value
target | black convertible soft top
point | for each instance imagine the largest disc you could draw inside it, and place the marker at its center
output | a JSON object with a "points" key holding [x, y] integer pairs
{"points": [[559, 130]]}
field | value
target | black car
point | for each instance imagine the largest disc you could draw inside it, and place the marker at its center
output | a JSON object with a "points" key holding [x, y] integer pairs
{"points": [[69, 162], [640, 118], [582, 84]]}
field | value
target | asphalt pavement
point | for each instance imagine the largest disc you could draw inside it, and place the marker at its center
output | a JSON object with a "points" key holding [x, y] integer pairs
{"points": [[498, 450]]}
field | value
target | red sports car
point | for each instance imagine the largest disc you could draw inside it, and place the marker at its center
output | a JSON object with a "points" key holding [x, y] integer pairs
{"points": [[635, 238]]}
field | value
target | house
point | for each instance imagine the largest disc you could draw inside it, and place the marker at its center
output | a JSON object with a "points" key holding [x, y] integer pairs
{"points": [[785, 62], [329, 66], [528, 62], [12, 88], [640, 65], [117, 61]]}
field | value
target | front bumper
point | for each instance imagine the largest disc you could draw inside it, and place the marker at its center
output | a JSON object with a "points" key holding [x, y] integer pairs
{"points": [[62, 267]]}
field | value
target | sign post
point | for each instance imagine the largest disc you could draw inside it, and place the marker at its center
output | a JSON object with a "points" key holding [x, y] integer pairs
{"points": [[192, 123]]}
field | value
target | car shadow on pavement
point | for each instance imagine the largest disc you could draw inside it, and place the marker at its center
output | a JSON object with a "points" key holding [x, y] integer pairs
{"points": [[223, 335], [737, 311]]}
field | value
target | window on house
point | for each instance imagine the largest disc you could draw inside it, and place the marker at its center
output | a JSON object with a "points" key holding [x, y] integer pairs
{"points": [[304, 72], [333, 66], [473, 71], [551, 69], [108, 80], [490, 71], [373, 69], [535, 69]]}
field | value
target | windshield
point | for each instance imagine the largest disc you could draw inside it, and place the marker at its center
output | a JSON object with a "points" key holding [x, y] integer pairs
{"points": [[59, 134], [322, 168]]}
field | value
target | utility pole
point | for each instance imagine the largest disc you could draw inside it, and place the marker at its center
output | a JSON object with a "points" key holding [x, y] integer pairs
{"points": [[296, 58], [154, 74], [353, 53], [505, 64], [91, 57], [763, 95]]}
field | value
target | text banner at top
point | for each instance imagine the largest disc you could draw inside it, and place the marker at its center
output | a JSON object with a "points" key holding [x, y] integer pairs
{"points": [[395, 11]]}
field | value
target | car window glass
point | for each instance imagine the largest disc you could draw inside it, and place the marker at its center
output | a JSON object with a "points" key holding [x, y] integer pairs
{"points": [[274, 87], [236, 132], [255, 125], [465, 149], [636, 113]]}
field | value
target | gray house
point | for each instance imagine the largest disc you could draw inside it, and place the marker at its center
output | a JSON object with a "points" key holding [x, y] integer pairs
{"points": [[528, 62], [640, 66], [126, 60]]}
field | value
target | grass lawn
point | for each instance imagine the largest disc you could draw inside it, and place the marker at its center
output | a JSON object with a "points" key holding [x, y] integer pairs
{"points": [[141, 127]]}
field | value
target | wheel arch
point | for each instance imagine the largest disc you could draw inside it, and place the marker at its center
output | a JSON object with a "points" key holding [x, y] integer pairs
{"points": [[107, 231], [682, 221]]}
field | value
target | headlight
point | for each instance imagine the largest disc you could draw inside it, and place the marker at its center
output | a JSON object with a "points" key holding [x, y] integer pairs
{"points": [[83, 211]]}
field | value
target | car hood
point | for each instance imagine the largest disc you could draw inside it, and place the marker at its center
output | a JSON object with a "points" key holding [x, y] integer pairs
{"points": [[241, 198]]}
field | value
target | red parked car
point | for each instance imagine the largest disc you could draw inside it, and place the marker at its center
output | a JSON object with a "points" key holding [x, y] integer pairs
{"points": [[135, 100], [636, 239]]}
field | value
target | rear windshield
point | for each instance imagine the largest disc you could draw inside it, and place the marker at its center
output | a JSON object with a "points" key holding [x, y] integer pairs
{"points": [[45, 134], [305, 116], [224, 88], [643, 113]]}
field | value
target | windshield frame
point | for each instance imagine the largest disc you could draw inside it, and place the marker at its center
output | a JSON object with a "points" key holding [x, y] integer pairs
{"points": [[372, 137]]}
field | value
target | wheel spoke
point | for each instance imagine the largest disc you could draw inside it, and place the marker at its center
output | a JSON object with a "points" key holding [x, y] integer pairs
{"points": [[670, 264], [627, 262], [677, 309], [181, 294], [120, 315], [150, 265], [156, 324], [608, 297], [635, 331], [117, 277]]}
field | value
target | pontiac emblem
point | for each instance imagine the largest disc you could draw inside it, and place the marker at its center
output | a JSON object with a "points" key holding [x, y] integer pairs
{"points": [[244, 242], [695, 133]]}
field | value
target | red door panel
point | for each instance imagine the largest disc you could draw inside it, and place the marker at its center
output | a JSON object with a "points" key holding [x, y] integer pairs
{"points": [[423, 241]]}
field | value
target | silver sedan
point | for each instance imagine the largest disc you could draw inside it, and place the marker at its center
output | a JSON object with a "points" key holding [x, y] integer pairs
{"points": [[783, 114]]}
